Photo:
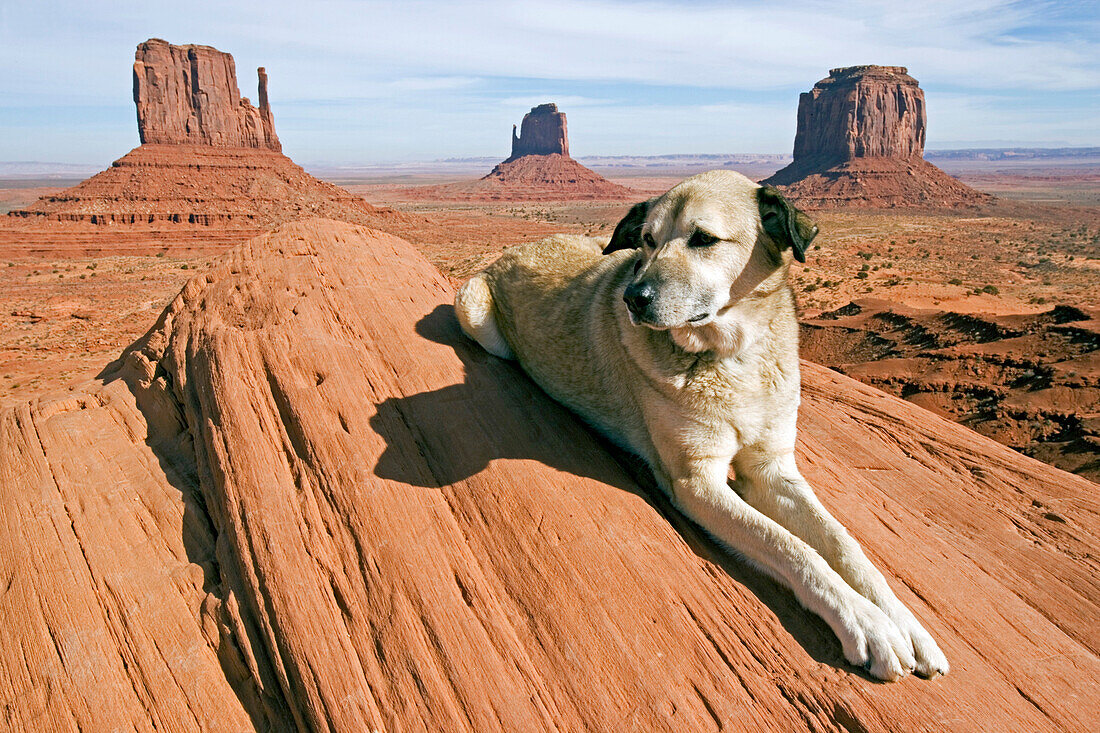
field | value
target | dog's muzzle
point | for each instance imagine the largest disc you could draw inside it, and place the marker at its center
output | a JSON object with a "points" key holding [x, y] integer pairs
{"points": [[638, 296]]}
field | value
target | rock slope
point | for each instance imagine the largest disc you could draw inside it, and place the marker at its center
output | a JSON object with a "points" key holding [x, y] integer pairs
{"points": [[203, 185], [860, 142], [304, 500], [188, 95]]}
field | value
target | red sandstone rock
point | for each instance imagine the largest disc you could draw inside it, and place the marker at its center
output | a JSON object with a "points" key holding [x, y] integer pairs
{"points": [[205, 185], [538, 169], [189, 95], [860, 142], [1031, 381], [208, 158], [861, 112], [543, 132], [304, 500], [531, 178]]}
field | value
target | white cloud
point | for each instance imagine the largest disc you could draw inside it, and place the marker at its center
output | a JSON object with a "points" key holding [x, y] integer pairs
{"points": [[465, 71]]}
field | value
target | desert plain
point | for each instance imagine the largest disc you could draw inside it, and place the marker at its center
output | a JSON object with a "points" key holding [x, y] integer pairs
{"points": [[73, 295]]}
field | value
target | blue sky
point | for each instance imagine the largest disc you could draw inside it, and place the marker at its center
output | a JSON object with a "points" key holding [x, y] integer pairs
{"points": [[360, 82]]}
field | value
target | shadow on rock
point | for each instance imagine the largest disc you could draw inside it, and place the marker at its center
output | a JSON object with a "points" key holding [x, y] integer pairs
{"points": [[438, 438]]}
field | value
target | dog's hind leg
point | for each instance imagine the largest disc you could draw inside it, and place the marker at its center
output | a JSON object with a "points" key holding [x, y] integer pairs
{"points": [[474, 308], [774, 486]]}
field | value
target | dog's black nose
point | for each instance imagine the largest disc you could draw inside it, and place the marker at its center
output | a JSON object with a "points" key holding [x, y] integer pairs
{"points": [[638, 297]]}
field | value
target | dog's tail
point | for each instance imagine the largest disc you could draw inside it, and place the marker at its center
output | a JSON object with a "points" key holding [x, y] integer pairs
{"points": [[474, 308]]}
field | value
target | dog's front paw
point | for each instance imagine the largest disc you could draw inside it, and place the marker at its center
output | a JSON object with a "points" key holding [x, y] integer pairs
{"points": [[872, 641], [931, 662]]}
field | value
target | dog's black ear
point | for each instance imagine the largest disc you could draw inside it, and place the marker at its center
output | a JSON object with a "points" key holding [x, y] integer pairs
{"points": [[785, 224], [628, 233]]}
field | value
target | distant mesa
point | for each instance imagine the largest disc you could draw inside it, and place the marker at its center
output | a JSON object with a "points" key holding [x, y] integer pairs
{"points": [[540, 165], [543, 132], [538, 169], [860, 142], [188, 95], [207, 158]]}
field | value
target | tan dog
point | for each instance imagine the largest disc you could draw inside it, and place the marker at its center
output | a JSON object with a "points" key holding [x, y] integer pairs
{"points": [[679, 341]]}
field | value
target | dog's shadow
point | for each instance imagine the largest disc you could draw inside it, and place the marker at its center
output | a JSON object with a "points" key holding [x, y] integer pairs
{"points": [[430, 443]]}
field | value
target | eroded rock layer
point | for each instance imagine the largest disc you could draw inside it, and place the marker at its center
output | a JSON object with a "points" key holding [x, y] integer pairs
{"points": [[304, 500], [860, 142], [1031, 381], [237, 188], [188, 95]]}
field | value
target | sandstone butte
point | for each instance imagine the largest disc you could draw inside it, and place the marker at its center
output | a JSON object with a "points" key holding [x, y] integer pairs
{"points": [[208, 158], [538, 169], [303, 499], [860, 142], [189, 94]]}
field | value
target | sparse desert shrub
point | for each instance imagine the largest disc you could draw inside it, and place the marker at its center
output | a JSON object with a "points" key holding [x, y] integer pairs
{"points": [[862, 275], [991, 289], [954, 281]]}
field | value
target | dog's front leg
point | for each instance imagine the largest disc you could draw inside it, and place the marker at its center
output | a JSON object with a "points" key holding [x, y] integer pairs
{"points": [[870, 639], [773, 485]]}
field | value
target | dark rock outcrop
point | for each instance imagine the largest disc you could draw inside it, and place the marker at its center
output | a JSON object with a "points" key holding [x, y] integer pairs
{"points": [[542, 132], [860, 141], [189, 95]]}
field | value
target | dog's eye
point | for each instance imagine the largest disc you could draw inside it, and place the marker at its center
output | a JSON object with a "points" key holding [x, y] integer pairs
{"points": [[699, 238], [647, 239]]}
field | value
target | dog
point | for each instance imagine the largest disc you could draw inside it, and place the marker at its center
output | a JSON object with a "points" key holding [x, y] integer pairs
{"points": [[678, 340]]}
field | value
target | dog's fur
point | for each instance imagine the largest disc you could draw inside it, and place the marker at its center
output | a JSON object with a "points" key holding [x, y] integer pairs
{"points": [[698, 369]]}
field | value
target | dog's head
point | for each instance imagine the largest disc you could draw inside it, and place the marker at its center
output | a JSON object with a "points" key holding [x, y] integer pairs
{"points": [[705, 244]]}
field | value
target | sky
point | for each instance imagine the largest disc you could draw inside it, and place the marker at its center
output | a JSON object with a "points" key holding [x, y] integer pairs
{"points": [[358, 82]]}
